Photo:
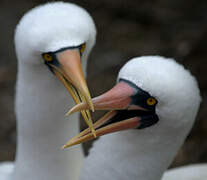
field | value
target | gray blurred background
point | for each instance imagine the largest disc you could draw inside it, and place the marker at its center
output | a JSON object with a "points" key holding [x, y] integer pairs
{"points": [[126, 28]]}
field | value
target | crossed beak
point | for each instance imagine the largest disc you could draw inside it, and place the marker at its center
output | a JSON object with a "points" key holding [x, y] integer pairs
{"points": [[69, 72], [122, 113]]}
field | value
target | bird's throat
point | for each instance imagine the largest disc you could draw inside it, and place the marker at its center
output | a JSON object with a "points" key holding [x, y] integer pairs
{"points": [[133, 154]]}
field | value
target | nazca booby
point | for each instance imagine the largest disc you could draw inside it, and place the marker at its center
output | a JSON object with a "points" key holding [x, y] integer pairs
{"points": [[51, 39], [156, 100]]}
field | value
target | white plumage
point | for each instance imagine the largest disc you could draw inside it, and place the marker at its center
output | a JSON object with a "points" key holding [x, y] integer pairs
{"points": [[6, 170], [190, 172], [145, 154], [41, 100]]}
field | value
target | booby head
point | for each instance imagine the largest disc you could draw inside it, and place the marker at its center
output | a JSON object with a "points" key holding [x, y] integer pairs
{"points": [[150, 90], [59, 36]]}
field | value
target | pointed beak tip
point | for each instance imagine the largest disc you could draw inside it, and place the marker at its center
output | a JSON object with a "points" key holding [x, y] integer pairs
{"points": [[67, 145], [63, 147], [92, 107], [94, 134], [71, 111], [68, 113]]}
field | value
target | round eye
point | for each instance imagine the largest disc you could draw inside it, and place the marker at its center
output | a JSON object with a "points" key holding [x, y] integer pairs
{"points": [[83, 47], [47, 57], [151, 101]]}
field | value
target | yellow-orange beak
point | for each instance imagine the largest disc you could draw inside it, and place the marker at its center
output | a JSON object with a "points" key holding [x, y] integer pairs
{"points": [[69, 72], [128, 109], [86, 135], [123, 113]]}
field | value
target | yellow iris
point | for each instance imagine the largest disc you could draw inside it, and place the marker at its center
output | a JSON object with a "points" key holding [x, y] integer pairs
{"points": [[83, 47], [151, 101], [47, 57]]}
